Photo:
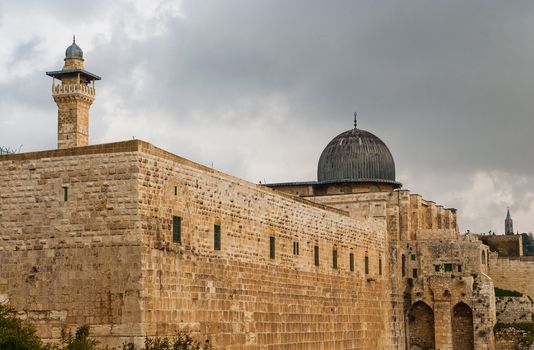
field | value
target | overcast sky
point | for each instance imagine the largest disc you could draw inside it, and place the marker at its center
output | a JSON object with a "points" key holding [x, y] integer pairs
{"points": [[258, 88]]}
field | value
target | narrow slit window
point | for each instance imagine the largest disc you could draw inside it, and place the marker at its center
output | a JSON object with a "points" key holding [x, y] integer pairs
{"points": [[334, 258], [459, 268], [380, 266], [271, 247], [351, 262], [217, 237], [366, 265], [403, 258], [414, 273], [296, 248], [65, 194], [316, 255], [175, 190], [177, 229]]}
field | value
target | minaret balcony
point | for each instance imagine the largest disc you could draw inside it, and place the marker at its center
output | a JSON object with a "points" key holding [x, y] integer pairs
{"points": [[73, 89]]}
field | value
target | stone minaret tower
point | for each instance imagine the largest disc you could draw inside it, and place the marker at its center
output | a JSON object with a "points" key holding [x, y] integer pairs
{"points": [[73, 97], [508, 224]]}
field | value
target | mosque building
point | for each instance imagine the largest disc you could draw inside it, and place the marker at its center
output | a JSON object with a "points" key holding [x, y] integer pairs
{"points": [[136, 241]]}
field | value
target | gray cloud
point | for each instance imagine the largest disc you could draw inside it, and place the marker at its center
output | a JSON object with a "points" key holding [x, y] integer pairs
{"points": [[260, 87]]}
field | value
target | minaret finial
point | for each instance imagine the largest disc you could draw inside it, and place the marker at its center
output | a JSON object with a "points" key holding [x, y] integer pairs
{"points": [[355, 120], [73, 38]]}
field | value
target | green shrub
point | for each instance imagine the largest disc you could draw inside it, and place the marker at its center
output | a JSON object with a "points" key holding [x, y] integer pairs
{"points": [[507, 293], [15, 334], [18, 335]]}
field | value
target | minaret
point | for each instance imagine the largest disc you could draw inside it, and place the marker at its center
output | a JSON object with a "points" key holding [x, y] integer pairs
{"points": [[508, 224], [73, 97]]}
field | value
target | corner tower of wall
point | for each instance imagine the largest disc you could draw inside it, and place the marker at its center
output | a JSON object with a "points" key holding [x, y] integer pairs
{"points": [[70, 247]]}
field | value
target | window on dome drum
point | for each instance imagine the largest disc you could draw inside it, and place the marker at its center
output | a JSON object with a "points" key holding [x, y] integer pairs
{"points": [[380, 266], [217, 237], [366, 265], [296, 248], [65, 193], [403, 258], [334, 258], [448, 267], [351, 262], [414, 273], [316, 255], [437, 268], [177, 229], [271, 247], [413, 257]]}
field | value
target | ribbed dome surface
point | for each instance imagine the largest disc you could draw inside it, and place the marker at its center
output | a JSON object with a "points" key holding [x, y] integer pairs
{"points": [[74, 51], [356, 156]]}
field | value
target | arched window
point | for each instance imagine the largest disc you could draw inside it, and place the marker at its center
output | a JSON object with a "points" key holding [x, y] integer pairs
{"points": [[483, 257]]}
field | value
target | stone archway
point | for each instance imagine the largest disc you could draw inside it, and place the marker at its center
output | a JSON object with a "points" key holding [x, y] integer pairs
{"points": [[462, 327], [421, 327]]}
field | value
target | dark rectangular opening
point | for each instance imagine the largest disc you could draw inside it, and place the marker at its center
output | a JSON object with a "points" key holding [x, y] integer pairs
{"points": [[380, 266], [414, 273], [366, 265], [316, 255], [448, 267], [296, 248], [334, 258], [217, 237], [175, 190], [437, 268], [65, 194], [413, 257], [177, 229], [403, 258], [351, 262], [459, 268], [271, 247]]}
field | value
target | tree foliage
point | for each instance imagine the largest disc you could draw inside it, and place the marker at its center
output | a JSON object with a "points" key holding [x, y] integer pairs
{"points": [[528, 244], [15, 334]]}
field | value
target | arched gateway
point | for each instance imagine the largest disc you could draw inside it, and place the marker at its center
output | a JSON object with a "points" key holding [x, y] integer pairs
{"points": [[421, 326], [462, 327]]}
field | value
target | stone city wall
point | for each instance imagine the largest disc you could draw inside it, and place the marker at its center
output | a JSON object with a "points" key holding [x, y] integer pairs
{"points": [[239, 296], [506, 246], [515, 309], [69, 239], [511, 339], [513, 273]]}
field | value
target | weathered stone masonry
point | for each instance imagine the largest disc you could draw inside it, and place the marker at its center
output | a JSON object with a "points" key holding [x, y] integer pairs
{"points": [[106, 257]]}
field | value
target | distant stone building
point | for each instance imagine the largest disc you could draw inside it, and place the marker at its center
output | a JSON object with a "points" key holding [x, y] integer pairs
{"points": [[136, 241]]}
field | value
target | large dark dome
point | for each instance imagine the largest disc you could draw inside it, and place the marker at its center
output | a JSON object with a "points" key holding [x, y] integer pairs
{"points": [[356, 156]]}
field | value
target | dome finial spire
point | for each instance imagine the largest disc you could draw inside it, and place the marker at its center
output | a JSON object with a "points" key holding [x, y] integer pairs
{"points": [[73, 38], [355, 120]]}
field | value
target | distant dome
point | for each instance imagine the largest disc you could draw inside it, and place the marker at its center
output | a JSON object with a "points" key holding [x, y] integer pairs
{"points": [[74, 51], [356, 156]]}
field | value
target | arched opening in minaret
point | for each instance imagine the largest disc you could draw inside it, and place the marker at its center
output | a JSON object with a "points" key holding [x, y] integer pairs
{"points": [[421, 326], [462, 327]]}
